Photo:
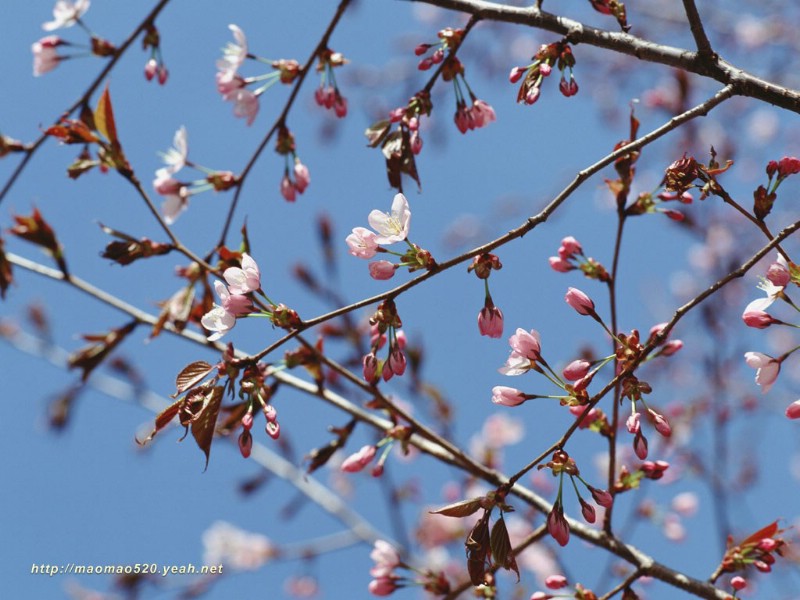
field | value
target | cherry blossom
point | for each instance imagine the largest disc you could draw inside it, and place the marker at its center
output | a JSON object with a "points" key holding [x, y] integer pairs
{"points": [[245, 104], [516, 364], [66, 14], [579, 301], [45, 55], [557, 525], [577, 369], [507, 396], [555, 582], [392, 227], [218, 320], [241, 550], [384, 555], [381, 270], [236, 304], [175, 157], [358, 460], [245, 279], [767, 369], [362, 242], [526, 344], [235, 53], [490, 321], [778, 273], [174, 205], [301, 176]]}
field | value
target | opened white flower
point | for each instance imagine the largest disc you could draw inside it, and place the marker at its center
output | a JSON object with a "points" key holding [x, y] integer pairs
{"points": [[175, 157], [244, 280], [392, 227], [234, 54], [218, 320], [66, 14]]}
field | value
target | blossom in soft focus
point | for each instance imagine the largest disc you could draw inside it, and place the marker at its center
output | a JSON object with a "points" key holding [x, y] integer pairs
{"points": [[174, 205], [45, 55], [175, 157], [302, 177], [362, 242], [490, 321], [245, 104], [793, 410], [392, 227], [358, 460], [516, 364], [245, 279], [235, 53], [767, 369], [238, 549], [384, 555], [507, 396], [218, 320], [66, 14], [778, 273], [555, 582]]}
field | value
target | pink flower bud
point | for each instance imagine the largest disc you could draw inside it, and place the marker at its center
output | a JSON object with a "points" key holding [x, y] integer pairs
{"points": [[602, 497], [370, 363], [758, 319], [247, 420], [576, 369], [162, 75], [579, 301], [661, 423], [540, 596], [767, 545], [397, 361], [559, 264], [382, 586], [516, 74], [273, 430], [270, 414], [381, 269], [416, 142], [545, 69], [386, 371], [490, 321], [571, 246], [507, 396], [245, 443], [437, 56], [555, 582], [588, 512], [778, 274], [532, 95], [640, 445], [340, 106], [150, 69], [301, 177], [425, 64], [288, 191], [671, 347], [738, 583], [557, 525], [633, 423], [421, 49], [762, 566], [526, 344], [793, 410], [358, 460]]}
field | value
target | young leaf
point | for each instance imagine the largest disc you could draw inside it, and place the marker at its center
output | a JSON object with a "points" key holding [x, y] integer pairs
{"points": [[477, 545], [163, 419], [501, 547], [463, 508], [104, 118], [191, 375], [204, 424]]}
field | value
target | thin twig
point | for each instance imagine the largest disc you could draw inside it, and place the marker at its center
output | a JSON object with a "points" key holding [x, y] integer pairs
{"points": [[698, 31]]}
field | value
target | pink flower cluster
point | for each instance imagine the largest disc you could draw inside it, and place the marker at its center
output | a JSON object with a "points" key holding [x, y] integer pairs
{"points": [[234, 299], [568, 253], [395, 363], [65, 14], [390, 227], [480, 114], [330, 98], [230, 84], [525, 352], [384, 579], [291, 187]]}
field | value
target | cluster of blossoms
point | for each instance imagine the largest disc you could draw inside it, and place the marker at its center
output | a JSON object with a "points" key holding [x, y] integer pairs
{"points": [[235, 298], [559, 55], [389, 228], [757, 550], [328, 94], [236, 548], [257, 393], [296, 176], [155, 67], [779, 275], [176, 193], [233, 87], [562, 464], [66, 14], [777, 171], [385, 326], [490, 318], [571, 257], [385, 579]]}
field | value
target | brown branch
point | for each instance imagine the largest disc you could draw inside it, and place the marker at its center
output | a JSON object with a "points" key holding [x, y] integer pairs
{"points": [[745, 83], [698, 31]]}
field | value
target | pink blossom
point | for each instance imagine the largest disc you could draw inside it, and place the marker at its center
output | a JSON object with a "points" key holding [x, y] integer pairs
{"points": [[571, 247], [532, 95], [228, 82], [301, 176], [164, 184], [661, 424], [235, 53], [568, 88], [397, 361], [219, 321], [150, 69], [767, 369], [579, 301], [245, 104], [526, 344], [45, 55], [602, 497], [370, 367], [671, 347], [174, 205], [416, 142], [162, 74], [738, 583], [640, 445], [288, 191], [175, 157], [577, 369], [588, 511], [392, 227], [515, 364], [507, 396], [340, 106], [545, 69], [241, 550], [381, 270], [555, 582], [490, 321], [685, 504], [778, 273], [324, 96], [384, 554], [516, 74], [66, 14], [590, 417], [560, 265], [362, 242], [482, 114], [245, 443], [382, 586], [634, 423], [236, 304], [357, 461], [793, 410], [245, 279], [557, 525]]}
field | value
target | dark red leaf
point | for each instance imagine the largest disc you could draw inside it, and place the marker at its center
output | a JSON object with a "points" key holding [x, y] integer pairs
{"points": [[191, 375], [204, 424], [463, 508]]}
